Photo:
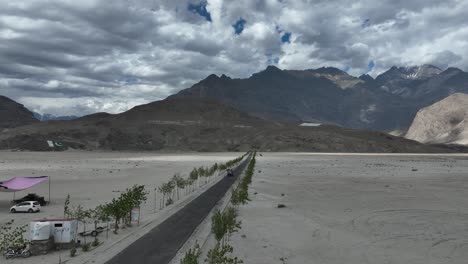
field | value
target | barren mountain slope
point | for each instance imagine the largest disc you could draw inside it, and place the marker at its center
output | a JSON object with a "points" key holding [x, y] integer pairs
{"points": [[13, 114], [194, 124], [443, 122], [331, 96]]}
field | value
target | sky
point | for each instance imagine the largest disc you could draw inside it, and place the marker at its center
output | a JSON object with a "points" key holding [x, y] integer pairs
{"points": [[68, 57]]}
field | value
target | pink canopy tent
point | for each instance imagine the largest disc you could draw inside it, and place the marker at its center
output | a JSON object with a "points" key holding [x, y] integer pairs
{"points": [[22, 183]]}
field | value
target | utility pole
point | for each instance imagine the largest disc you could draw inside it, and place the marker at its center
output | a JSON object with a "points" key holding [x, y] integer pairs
{"points": [[49, 190]]}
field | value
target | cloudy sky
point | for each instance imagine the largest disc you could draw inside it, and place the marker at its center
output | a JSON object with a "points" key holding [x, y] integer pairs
{"points": [[77, 57]]}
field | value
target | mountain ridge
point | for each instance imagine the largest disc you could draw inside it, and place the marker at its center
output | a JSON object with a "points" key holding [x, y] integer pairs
{"points": [[14, 114], [329, 95], [194, 124]]}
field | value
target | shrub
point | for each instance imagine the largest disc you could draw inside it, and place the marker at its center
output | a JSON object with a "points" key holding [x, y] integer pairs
{"points": [[220, 255], [191, 257], [66, 207], [235, 198], [230, 216], [218, 226], [169, 202], [86, 247], [73, 252], [12, 237], [95, 242]]}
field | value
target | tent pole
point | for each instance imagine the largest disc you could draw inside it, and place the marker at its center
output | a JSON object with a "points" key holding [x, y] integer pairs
{"points": [[14, 197], [49, 190]]}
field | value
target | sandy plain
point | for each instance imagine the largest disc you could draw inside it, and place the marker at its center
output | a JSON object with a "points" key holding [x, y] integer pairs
{"points": [[390, 209], [93, 178], [340, 208]]}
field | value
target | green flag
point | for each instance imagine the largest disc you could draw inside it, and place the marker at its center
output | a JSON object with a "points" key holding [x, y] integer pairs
{"points": [[55, 144]]}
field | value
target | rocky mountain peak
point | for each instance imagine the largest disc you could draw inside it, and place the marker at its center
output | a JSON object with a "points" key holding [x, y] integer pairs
{"points": [[272, 68], [337, 76], [225, 77], [422, 72], [329, 70], [452, 71], [212, 77], [366, 78]]}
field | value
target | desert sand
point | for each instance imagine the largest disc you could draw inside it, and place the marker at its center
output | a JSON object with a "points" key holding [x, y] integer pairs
{"points": [[356, 209], [93, 178], [340, 208]]}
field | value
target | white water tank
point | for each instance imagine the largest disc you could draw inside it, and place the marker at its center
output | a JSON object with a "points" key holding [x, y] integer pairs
{"points": [[39, 230]]}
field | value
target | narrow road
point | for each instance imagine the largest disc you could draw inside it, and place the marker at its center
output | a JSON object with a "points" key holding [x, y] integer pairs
{"points": [[160, 245]]}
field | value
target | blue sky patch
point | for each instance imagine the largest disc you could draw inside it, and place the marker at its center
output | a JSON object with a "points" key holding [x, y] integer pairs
{"points": [[200, 9], [285, 38], [370, 66], [239, 26]]}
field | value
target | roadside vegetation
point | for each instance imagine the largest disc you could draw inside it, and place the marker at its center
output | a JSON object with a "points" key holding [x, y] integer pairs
{"points": [[192, 255], [119, 210], [171, 191], [12, 237], [224, 224]]}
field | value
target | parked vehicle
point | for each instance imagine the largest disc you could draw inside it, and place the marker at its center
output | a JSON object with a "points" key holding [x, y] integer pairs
{"points": [[26, 207], [95, 232], [17, 252], [32, 197], [230, 173]]}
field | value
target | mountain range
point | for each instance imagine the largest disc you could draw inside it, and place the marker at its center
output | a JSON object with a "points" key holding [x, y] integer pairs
{"points": [[263, 111], [194, 124], [329, 95]]}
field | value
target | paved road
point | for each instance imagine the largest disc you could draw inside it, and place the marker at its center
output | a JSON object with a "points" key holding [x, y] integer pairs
{"points": [[160, 245]]}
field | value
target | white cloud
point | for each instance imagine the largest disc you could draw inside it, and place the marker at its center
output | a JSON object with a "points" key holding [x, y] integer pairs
{"points": [[99, 55]]}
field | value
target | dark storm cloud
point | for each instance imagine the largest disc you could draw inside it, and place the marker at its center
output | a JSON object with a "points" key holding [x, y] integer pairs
{"points": [[77, 57]]}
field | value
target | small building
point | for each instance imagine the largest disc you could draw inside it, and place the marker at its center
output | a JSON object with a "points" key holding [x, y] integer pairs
{"points": [[42, 240], [39, 231], [64, 231]]}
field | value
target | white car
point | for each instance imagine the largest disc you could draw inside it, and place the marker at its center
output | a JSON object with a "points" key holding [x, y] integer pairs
{"points": [[26, 207]]}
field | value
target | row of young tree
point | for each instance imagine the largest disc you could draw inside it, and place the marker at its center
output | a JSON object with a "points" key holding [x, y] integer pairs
{"points": [[240, 195], [118, 210], [223, 225], [198, 176]]}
